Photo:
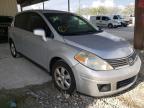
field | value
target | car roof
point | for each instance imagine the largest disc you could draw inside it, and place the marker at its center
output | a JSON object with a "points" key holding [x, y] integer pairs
{"points": [[43, 11], [101, 16]]}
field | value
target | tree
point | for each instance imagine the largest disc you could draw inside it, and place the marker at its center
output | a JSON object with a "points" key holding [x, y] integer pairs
{"points": [[101, 10], [129, 10], [98, 11]]}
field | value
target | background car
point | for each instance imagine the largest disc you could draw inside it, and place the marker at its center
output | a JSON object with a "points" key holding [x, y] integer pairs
{"points": [[104, 21], [124, 22], [5, 22]]}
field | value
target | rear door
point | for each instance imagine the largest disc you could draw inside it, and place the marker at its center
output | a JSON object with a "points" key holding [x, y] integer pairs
{"points": [[98, 20], [19, 31], [104, 21]]}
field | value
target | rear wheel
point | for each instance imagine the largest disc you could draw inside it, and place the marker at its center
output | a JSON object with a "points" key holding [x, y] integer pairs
{"points": [[13, 49], [63, 77]]}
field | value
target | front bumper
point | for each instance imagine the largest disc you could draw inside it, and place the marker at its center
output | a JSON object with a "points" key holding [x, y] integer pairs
{"points": [[87, 80]]}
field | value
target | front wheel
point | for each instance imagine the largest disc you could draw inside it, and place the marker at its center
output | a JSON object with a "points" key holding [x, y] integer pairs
{"points": [[63, 77]]}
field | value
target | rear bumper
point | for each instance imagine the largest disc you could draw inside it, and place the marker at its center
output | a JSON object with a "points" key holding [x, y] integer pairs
{"points": [[88, 80]]}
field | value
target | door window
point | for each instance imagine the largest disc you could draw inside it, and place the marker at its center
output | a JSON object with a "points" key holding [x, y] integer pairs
{"points": [[98, 18], [105, 18], [36, 22]]}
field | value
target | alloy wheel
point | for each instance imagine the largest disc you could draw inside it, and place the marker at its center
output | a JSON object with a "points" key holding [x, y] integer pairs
{"points": [[62, 78]]}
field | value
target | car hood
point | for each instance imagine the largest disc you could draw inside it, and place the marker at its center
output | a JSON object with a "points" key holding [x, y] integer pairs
{"points": [[103, 44]]}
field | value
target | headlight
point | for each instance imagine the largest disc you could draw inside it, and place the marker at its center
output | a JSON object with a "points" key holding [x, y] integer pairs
{"points": [[92, 61]]}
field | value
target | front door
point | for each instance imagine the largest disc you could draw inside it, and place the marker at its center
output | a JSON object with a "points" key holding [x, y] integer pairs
{"points": [[35, 47]]}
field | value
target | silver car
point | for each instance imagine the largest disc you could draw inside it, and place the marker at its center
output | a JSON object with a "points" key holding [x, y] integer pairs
{"points": [[78, 55]]}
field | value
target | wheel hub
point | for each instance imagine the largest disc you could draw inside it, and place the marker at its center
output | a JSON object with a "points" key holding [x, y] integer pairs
{"points": [[62, 78]]}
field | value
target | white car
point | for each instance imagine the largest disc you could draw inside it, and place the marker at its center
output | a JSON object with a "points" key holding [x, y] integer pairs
{"points": [[78, 55], [104, 21], [123, 21]]}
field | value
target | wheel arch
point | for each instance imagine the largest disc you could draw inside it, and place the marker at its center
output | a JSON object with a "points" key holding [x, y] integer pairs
{"points": [[110, 24], [52, 62], [10, 40]]}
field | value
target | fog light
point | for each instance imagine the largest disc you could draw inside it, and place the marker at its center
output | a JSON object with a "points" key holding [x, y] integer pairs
{"points": [[104, 87]]}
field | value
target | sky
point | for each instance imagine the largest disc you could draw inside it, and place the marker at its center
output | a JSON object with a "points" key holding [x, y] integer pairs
{"points": [[62, 4]]}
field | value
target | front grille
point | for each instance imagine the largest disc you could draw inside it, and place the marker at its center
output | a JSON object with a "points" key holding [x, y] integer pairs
{"points": [[122, 62], [125, 82]]}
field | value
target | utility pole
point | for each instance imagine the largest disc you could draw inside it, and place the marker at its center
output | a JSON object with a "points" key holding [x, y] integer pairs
{"points": [[68, 5], [21, 8], [43, 6], [79, 7], [139, 24]]}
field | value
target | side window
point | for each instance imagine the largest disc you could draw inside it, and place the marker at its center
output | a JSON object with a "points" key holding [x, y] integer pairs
{"points": [[115, 17], [104, 18], [21, 21], [36, 22], [98, 18]]}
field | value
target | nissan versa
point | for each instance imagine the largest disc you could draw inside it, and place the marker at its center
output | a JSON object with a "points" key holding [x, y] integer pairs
{"points": [[79, 56]]}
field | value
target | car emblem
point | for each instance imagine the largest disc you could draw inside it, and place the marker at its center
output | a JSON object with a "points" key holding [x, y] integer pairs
{"points": [[130, 60]]}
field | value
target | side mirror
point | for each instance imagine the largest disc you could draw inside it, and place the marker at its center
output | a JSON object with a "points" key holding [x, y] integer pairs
{"points": [[41, 33]]}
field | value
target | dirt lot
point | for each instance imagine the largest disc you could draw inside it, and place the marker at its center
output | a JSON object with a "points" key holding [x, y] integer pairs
{"points": [[46, 96]]}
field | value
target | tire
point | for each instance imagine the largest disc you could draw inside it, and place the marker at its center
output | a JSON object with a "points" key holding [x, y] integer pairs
{"points": [[115, 26], [13, 49], [124, 25], [110, 26], [63, 77]]}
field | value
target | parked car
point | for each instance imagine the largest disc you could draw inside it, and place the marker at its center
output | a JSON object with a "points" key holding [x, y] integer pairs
{"points": [[104, 21], [5, 22], [124, 22], [78, 55]]}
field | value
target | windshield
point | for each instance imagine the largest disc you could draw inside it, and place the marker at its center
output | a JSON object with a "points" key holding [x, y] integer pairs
{"points": [[120, 17], [68, 24]]}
